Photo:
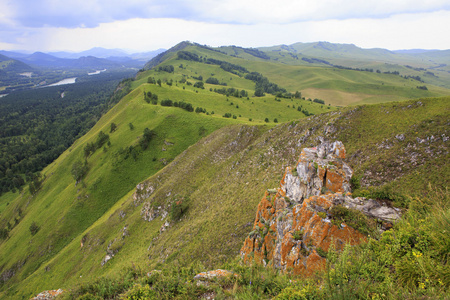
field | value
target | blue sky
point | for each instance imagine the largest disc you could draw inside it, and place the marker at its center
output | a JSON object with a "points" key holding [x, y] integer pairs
{"points": [[144, 25]]}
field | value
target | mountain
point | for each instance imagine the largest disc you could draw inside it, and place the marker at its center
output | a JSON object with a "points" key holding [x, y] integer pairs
{"points": [[117, 55], [172, 175], [8, 64], [13, 54], [40, 59]]}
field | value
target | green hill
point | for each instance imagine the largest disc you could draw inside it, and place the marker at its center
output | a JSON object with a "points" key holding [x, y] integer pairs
{"points": [[115, 192]]}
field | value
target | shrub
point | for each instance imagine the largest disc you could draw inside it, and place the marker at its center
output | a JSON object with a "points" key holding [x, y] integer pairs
{"points": [[178, 208], [355, 182], [322, 214], [34, 228], [298, 235], [353, 218], [138, 292]]}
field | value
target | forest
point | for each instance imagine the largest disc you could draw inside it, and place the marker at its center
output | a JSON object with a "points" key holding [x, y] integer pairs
{"points": [[37, 125]]}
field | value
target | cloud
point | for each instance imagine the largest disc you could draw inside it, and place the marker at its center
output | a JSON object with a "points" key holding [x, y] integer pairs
{"points": [[426, 30], [50, 25], [72, 14]]}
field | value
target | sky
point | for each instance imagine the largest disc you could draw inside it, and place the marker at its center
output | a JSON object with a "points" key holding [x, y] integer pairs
{"points": [[146, 25]]}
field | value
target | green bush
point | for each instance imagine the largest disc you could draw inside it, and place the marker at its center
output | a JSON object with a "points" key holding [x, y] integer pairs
{"points": [[298, 235], [353, 218], [138, 292], [34, 228], [178, 208]]}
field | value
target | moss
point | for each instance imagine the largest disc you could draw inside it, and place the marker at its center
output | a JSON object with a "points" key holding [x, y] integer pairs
{"points": [[298, 235], [353, 218], [322, 214]]}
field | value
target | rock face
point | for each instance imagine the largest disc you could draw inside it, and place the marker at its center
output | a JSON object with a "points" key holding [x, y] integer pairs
{"points": [[293, 226]]}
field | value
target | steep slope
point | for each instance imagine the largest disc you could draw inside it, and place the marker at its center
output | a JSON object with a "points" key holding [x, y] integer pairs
{"points": [[220, 181]]}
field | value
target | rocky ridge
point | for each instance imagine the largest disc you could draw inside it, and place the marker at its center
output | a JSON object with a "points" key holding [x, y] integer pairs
{"points": [[294, 225]]}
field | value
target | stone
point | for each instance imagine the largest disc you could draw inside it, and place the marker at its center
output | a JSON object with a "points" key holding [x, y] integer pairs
{"points": [[48, 295], [204, 278], [292, 227]]}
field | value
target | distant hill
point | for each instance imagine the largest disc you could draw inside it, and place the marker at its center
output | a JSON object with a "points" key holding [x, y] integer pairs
{"points": [[12, 66], [40, 59], [137, 59]]}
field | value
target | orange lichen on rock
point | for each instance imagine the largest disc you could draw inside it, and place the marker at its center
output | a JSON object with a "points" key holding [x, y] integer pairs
{"points": [[47, 295], [289, 229]]}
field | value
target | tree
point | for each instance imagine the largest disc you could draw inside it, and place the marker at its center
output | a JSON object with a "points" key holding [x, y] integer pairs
{"points": [[131, 126], [199, 84], [146, 138], [35, 183], [113, 127], [79, 170], [297, 95], [102, 138], [259, 92], [159, 82], [266, 120]]}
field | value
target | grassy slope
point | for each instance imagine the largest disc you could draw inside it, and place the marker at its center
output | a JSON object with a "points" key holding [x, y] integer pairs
{"points": [[353, 87], [225, 175], [63, 210]]}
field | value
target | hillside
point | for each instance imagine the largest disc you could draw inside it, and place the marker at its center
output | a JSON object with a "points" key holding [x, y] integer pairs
{"points": [[119, 157], [107, 202], [10, 67], [224, 176], [431, 67]]}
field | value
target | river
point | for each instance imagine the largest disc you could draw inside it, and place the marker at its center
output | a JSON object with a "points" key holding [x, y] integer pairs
{"points": [[64, 81], [96, 72]]}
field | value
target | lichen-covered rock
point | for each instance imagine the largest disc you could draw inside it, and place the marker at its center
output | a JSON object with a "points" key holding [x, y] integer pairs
{"points": [[204, 278], [48, 295], [293, 227]]}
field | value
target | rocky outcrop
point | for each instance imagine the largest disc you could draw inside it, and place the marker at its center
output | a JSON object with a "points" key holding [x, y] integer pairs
{"points": [[294, 225], [48, 295]]}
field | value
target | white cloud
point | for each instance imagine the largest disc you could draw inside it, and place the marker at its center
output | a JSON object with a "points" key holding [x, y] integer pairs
{"points": [[403, 31], [70, 13]]}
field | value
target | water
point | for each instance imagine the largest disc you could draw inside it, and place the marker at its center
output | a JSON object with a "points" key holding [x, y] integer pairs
{"points": [[26, 74], [64, 81], [96, 72]]}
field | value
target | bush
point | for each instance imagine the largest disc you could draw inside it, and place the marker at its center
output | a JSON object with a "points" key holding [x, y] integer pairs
{"points": [[138, 292], [34, 228], [178, 208], [298, 235], [353, 218]]}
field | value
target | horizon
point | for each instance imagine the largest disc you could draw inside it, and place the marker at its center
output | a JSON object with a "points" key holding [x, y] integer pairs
{"points": [[147, 25], [131, 51]]}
